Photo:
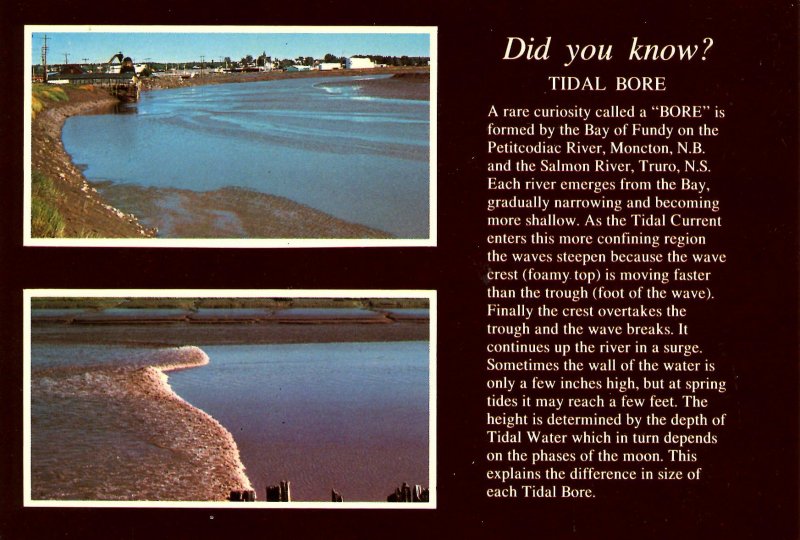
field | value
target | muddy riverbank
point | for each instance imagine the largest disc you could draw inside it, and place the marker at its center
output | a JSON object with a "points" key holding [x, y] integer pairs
{"points": [[402, 77], [85, 213], [412, 85]]}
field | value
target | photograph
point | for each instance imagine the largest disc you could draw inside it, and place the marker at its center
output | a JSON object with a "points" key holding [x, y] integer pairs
{"points": [[400, 271], [198, 398], [230, 136]]}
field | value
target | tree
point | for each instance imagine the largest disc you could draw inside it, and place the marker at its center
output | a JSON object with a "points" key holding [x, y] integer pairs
{"points": [[247, 60], [330, 58]]}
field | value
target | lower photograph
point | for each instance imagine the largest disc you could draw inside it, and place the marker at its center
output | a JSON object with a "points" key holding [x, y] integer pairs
{"points": [[234, 398]]}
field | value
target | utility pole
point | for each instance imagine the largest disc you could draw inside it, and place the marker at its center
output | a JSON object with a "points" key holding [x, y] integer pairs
{"points": [[44, 57], [66, 58], [202, 63]]}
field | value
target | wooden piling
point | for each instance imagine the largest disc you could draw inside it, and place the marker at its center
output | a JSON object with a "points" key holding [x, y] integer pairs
{"points": [[279, 493], [421, 494], [242, 495], [405, 493], [336, 496]]}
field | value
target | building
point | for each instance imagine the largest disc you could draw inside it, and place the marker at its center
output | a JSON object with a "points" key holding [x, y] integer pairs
{"points": [[125, 85], [298, 68], [329, 66], [359, 63]]}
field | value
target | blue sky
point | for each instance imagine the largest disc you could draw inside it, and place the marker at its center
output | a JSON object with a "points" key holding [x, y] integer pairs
{"points": [[163, 46]]}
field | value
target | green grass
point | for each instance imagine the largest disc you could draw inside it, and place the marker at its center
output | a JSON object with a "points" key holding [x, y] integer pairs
{"points": [[159, 303], [49, 92], [75, 303], [231, 303], [42, 93], [37, 105], [46, 220], [84, 233], [398, 303]]}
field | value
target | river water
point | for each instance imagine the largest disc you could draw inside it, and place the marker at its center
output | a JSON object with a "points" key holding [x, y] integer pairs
{"points": [[349, 416], [362, 159]]}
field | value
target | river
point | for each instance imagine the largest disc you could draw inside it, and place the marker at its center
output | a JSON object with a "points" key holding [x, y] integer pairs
{"points": [[362, 159], [353, 416]]}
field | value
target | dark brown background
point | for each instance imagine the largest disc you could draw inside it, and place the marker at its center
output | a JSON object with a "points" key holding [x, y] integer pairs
{"points": [[751, 487]]}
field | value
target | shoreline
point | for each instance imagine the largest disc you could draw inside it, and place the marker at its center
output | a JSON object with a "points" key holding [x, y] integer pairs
{"points": [[161, 82], [85, 212], [412, 85], [173, 334], [88, 214], [242, 481], [229, 212], [168, 322], [184, 453]]}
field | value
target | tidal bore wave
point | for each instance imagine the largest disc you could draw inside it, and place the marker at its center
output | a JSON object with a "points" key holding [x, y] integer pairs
{"points": [[118, 432]]}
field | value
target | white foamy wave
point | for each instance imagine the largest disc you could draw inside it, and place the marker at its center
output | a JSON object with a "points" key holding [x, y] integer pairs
{"points": [[111, 381], [180, 357], [121, 433]]}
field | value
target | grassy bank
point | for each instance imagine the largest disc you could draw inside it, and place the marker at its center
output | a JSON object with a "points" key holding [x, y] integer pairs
{"points": [[44, 94], [63, 204], [231, 303], [46, 220]]}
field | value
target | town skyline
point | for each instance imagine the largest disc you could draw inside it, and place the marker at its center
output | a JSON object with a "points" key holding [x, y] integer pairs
{"points": [[97, 46]]}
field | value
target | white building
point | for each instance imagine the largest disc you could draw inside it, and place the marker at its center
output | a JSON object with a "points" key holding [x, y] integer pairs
{"points": [[329, 66], [360, 63]]}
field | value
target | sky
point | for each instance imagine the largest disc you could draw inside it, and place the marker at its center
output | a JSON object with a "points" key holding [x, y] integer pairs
{"points": [[163, 45]]}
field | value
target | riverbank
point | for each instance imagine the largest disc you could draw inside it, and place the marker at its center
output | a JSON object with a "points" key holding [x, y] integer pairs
{"points": [[121, 433], [219, 332], [412, 85], [81, 211], [228, 213], [167, 322], [185, 214], [402, 78]]}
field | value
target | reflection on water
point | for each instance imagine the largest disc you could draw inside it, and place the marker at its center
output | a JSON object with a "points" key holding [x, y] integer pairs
{"points": [[361, 160], [125, 108]]}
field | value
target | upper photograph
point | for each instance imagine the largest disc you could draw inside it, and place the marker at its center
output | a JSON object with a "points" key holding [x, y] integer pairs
{"points": [[230, 136]]}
